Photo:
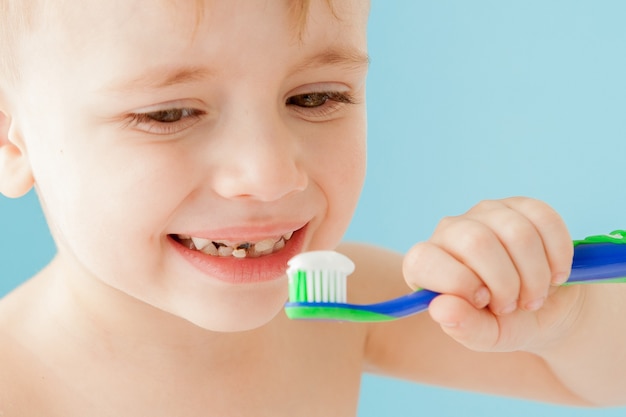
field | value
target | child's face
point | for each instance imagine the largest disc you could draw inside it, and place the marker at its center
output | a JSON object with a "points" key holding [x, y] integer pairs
{"points": [[143, 129]]}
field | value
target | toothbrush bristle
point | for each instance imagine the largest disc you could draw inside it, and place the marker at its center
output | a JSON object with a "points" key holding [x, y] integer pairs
{"points": [[320, 286], [319, 277]]}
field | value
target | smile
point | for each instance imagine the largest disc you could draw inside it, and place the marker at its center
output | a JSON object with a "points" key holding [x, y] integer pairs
{"points": [[238, 250]]}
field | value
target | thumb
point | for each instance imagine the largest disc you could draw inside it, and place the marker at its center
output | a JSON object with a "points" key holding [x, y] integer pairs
{"points": [[476, 329]]}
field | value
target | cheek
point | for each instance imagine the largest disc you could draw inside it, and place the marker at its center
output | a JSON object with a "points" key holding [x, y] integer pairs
{"points": [[108, 203], [340, 179], [350, 161], [116, 226], [350, 183]]}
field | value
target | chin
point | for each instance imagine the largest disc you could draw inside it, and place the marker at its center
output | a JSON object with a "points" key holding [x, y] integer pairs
{"points": [[238, 311], [234, 325]]}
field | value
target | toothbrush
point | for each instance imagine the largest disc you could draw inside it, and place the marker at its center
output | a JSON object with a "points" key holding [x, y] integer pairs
{"points": [[318, 282]]}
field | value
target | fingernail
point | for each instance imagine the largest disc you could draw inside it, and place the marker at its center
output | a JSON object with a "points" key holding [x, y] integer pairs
{"points": [[509, 308], [482, 297], [559, 279], [535, 304]]}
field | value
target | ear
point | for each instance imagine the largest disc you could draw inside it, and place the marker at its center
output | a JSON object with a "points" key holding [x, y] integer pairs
{"points": [[16, 177]]}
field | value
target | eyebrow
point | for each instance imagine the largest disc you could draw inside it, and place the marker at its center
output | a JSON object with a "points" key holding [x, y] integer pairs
{"points": [[350, 58], [155, 79]]}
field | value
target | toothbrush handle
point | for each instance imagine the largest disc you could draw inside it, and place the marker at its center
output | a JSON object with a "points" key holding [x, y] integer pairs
{"points": [[600, 258], [405, 305], [592, 262], [598, 261]]}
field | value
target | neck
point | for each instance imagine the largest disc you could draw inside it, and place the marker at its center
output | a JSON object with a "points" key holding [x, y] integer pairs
{"points": [[100, 317]]}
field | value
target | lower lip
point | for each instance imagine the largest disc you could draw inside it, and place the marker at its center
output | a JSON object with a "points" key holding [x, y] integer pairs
{"points": [[243, 270]]}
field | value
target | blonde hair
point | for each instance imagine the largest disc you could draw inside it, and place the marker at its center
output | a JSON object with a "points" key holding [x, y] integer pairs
{"points": [[19, 17], [16, 20]]}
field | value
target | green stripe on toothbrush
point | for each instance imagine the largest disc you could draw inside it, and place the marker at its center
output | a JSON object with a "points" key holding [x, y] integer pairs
{"points": [[297, 287], [598, 281], [616, 236], [335, 313], [298, 293]]}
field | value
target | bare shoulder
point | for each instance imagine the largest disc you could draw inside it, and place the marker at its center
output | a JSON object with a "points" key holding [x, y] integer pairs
{"points": [[378, 277], [15, 392], [378, 272], [19, 378], [18, 306]]}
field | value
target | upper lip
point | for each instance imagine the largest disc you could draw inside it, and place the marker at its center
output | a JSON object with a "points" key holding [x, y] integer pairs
{"points": [[246, 233]]}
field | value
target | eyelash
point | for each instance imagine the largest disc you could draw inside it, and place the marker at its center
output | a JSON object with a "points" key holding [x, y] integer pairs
{"points": [[318, 104], [156, 122], [327, 102]]}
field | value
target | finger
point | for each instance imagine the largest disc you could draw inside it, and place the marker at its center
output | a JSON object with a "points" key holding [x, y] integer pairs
{"points": [[556, 239], [480, 330], [476, 329], [475, 244], [524, 245], [428, 266]]}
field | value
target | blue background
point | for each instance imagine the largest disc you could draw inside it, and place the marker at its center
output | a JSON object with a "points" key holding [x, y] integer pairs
{"points": [[484, 99], [468, 100]]}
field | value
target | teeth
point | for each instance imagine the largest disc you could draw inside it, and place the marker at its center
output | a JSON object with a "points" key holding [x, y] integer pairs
{"points": [[225, 251], [200, 243], [279, 245], [264, 245], [210, 249], [239, 250]]}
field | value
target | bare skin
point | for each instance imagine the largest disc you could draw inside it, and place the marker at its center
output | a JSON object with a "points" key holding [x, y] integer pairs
{"points": [[235, 128], [74, 364], [78, 359]]}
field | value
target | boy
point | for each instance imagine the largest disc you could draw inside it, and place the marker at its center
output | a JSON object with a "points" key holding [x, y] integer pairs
{"points": [[182, 153]]}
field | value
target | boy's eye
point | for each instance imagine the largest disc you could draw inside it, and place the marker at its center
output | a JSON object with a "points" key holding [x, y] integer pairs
{"points": [[319, 106], [169, 115], [312, 100], [165, 122]]}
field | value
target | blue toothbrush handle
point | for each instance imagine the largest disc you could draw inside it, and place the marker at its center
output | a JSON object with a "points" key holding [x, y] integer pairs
{"points": [[405, 305], [598, 261], [600, 258], [592, 262]]}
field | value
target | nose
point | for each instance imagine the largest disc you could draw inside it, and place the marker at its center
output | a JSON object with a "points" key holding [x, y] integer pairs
{"points": [[258, 160]]}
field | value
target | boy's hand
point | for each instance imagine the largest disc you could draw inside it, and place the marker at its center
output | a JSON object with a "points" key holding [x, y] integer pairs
{"points": [[496, 267]]}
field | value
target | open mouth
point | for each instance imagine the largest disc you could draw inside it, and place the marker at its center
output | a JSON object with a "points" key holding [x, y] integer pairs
{"points": [[222, 248]]}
